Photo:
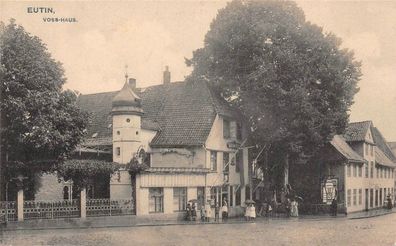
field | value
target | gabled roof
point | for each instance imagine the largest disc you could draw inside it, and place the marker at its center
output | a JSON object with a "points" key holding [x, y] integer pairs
{"points": [[382, 159], [338, 142], [181, 112], [356, 131], [381, 143]]}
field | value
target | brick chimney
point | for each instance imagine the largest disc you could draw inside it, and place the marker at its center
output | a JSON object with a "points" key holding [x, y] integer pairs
{"points": [[132, 83], [167, 76]]}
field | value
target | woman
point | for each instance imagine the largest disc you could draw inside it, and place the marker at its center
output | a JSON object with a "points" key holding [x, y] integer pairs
{"points": [[224, 211], [208, 212], [294, 208]]}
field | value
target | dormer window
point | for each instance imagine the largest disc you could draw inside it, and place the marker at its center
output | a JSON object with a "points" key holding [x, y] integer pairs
{"points": [[128, 120]]}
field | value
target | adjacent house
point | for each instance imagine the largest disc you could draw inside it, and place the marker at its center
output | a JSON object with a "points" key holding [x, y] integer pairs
{"points": [[358, 169]]}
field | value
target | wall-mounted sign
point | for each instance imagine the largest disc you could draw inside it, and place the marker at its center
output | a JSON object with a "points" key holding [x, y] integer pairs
{"points": [[329, 190]]}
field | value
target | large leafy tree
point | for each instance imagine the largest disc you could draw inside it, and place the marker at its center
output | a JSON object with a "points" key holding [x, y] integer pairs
{"points": [[292, 81], [40, 123]]}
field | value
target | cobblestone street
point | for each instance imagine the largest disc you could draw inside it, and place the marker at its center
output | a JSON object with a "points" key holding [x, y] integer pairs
{"points": [[341, 231]]}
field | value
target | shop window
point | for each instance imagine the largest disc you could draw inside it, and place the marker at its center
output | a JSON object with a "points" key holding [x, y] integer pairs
{"points": [[179, 198], [348, 198], [238, 197], [360, 196], [156, 200], [213, 160], [224, 195], [354, 197], [226, 129]]}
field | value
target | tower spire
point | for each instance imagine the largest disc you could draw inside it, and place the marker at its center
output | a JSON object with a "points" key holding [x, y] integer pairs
{"points": [[126, 73]]}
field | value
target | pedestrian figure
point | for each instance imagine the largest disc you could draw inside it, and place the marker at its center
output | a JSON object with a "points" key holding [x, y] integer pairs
{"points": [[203, 215], [208, 211], [389, 202], [224, 211], [333, 207], [287, 207], [247, 213], [294, 208], [217, 211], [252, 212], [194, 211]]}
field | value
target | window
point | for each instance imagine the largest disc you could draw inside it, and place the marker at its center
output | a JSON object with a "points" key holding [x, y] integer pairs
{"points": [[233, 129], [66, 193], [213, 195], [238, 197], [156, 200], [239, 131], [349, 170], [226, 128], [371, 198], [354, 167], [376, 198], [118, 151], [247, 192], [366, 170], [371, 150], [360, 196], [381, 172], [239, 161], [226, 166], [348, 198], [213, 160], [179, 199], [231, 196], [354, 197], [128, 120], [360, 171], [372, 170], [366, 148]]}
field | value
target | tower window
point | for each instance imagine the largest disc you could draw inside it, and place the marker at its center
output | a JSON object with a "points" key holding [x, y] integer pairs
{"points": [[128, 120], [118, 151]]}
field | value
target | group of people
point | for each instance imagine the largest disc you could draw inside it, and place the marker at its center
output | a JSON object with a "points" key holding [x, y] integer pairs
{"points": [[250, 212], [206, 212]]}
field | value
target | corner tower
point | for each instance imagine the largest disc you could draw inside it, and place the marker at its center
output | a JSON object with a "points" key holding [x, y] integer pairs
{"points": [[126, 113]]}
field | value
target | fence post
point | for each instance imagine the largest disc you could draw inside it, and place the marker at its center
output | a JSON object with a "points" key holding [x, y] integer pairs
{"points": [[20, 204], [83, 203]]}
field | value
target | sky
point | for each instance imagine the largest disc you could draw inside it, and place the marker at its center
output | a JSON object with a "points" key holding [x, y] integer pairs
{"points": [[148, 35]]}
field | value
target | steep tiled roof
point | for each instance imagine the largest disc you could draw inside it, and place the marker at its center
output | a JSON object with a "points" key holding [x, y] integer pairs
{"points": [[381, 143], [183, 112], [382, 159], [338, 142], [356, 131], [392, 145]]}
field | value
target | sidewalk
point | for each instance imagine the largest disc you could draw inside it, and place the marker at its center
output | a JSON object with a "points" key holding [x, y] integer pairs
{"points": [[371, 213], [132, 221]]}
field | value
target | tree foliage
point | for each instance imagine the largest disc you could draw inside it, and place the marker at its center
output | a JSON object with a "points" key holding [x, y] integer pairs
{"points": [[39, 121], [293, 82]]}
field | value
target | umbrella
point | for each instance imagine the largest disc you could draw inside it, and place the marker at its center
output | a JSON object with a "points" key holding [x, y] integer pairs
{"points": [[193, 200], [299, 198], [250, 201]]}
